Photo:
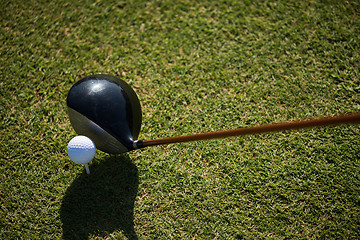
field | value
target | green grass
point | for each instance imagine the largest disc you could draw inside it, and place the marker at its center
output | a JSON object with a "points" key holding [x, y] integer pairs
{"points": [[196, 66]]}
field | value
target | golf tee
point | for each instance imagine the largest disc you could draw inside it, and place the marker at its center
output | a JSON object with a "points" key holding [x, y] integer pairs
{"points": [[87, 168]]}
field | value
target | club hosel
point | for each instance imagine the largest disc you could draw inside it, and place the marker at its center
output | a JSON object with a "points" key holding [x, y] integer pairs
{"points": [[138, 144]]}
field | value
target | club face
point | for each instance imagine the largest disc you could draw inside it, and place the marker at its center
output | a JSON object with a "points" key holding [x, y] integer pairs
{"points": [[107, 110]]}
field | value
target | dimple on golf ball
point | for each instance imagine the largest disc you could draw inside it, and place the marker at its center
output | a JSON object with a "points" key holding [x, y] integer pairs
{"points": [[81, 149]]}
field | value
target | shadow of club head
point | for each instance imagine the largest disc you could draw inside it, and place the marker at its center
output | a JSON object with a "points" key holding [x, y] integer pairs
{"points": [[103, 202]]}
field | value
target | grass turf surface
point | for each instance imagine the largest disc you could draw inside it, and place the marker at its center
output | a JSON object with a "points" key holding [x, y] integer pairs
{"points": [[197, 67]]}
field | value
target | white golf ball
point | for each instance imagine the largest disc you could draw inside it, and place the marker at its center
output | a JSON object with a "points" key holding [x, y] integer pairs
{"points": [[81, 149]]}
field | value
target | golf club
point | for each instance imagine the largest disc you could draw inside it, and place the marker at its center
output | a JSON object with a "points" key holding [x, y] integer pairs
{"points": [[107, 110]]}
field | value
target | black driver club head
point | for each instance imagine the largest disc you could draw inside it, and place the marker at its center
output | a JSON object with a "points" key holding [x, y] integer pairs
{"points": [[107, 110]]}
